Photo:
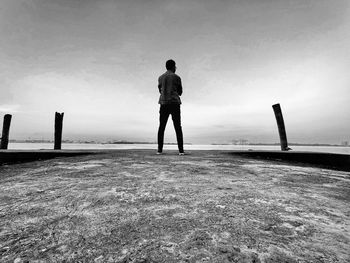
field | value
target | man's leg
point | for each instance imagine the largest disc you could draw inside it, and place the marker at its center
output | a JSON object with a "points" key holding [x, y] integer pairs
{"points": [[176, 116], [163, 119]]}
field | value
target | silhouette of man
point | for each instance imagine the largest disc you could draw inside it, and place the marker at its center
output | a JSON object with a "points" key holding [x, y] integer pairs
{"points": [[170, 89]]}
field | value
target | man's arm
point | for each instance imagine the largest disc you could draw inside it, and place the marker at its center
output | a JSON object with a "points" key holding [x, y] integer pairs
{"points": [[159, 86], [179, 87]]}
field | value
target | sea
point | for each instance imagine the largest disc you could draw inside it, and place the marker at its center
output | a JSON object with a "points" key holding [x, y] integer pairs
{"points": [[189, 147]]}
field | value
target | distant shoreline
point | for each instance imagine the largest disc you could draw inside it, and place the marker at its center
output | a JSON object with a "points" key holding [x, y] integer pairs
{"points": [[290, 144], [174, 143]]}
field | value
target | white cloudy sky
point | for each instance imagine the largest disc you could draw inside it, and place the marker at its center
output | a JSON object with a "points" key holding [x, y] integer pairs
{"points": [[99, 60]]}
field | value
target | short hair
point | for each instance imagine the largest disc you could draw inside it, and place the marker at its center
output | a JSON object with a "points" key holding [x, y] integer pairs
{"points": [[170, 64]]}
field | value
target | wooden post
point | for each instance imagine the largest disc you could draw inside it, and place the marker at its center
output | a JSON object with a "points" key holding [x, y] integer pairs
{"points": [[58, 130], [5, 131], [281, 127]]}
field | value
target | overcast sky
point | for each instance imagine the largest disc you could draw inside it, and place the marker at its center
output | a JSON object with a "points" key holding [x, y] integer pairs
{"points": [[98, 61]]}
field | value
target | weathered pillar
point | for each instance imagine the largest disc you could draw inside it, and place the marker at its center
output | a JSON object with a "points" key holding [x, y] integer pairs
{"points": [[281, 127], [58, 130], [5, 131]]}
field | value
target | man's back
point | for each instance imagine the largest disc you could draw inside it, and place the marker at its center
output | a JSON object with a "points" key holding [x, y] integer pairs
{"points": [[170, 88]]}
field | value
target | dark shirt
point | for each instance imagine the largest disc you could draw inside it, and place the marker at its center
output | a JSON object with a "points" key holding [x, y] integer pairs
{"points": [[170, 88]]}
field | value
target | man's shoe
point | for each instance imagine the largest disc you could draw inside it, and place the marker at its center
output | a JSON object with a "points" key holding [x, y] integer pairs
{"points": [[159, 153], [181, 154]]}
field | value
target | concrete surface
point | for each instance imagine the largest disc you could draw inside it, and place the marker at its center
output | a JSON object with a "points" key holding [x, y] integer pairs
{"points": [[135, 206]]}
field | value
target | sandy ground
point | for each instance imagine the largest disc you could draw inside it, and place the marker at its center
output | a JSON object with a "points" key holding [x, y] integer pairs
{"points": [[135, 206]]}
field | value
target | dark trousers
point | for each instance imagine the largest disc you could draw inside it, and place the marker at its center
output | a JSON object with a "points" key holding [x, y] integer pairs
{"points": [[164, 112]]}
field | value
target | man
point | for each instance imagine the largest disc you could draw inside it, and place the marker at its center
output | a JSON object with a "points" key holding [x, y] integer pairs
{"points": [[170, 89]]}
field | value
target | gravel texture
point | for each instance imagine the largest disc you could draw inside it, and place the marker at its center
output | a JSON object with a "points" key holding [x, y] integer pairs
{"points": [[209, 206]]}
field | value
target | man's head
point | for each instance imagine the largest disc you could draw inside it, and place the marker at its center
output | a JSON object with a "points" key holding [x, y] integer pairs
{"points": [[170, 65]]}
